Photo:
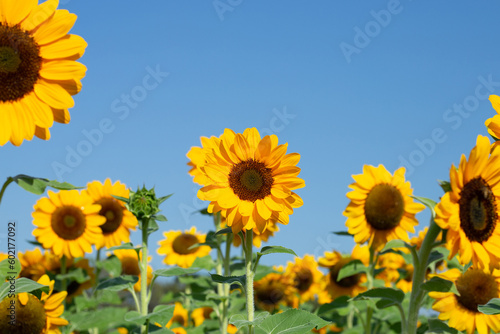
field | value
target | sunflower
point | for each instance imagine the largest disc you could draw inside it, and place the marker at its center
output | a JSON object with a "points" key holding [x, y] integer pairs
{"points": [[38, 71], [130, 265], [347, 286], [476, 287], [32, 264], [381, 208], [33, 314], [470, 210], [178, 250], [250, 180], [306, 276], [200, 314], [273, 290], [180, 316], [68, 223], [119, 221], [392, 264]]}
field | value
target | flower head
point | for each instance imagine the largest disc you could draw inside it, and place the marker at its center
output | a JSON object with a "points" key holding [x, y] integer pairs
{"points": [[470, 210], [130, 265], [68, 223], [249, 179], [381, 208], [178, 250], [38, 71]]}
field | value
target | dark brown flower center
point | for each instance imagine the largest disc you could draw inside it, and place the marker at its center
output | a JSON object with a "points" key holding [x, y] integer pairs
{"points": [[251, 180], [20, 63], [130, 266], [271, 294], [179, 319], [476, 288], [478, 211], [303, 279], [183, 242], [29, 318], [345, 282], [384, 207], [68, 222], [112, 210]]}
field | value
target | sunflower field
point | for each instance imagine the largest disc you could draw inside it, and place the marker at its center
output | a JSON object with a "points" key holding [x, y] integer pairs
{"points": [[89, 269]]}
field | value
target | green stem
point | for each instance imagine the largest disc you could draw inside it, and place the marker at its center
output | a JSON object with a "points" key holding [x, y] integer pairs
{"points": [[249, 278], [136, 300], [403, 318], [369, 277], [221, 288], [417, 294], [5, 185], [144, 276]]}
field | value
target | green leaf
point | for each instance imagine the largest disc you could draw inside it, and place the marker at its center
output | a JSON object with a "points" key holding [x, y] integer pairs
{"points": [[160, 218], [123, 199], [112, 265], [118, 283], [340, 302], [440, 285], [226, 230], [101, 297], [161, 314], [292, 321], [21, 285], [126, 245], [445, 185], [275, 249], [394, 243], [428, 203], [205, 262], [343, 233], [391, 294], [490, 308], [241, 280], [9, 268], [177, 271], [37, 185], [350, 269], [437, 326], [77, 274], [106, 318], [240, 320], [435, 256]]}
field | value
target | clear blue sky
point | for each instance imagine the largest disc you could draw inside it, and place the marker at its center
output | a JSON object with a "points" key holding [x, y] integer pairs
{"points": [[344, 83]]}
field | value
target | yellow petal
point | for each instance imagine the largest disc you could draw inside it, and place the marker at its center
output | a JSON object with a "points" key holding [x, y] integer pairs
{"points": [[14, 11], [61, 115], [42, 133], [62, 70], [56, 27], [5, 126], [67, 46], [39, 14], [54, 95]]}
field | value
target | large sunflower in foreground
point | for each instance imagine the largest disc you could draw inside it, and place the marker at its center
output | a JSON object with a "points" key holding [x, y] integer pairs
{"points": [[119, 221], [381, 208], [476, 287], [178, 250], [470, 210], [68, 223], [32, 314], [38, 71], [250, 180]]}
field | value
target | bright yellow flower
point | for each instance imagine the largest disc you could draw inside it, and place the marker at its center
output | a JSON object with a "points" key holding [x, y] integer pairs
{"points": [[273, 290], [33, 315], [130, 265], [200, 314], [347, 286], [119, 221], [381, 208], [177, 247], [68, 223], [476, 287], [306, 276], [197, 156], [470, 210], [38, 71], [180, 316], [250, 180], [32, 264]]}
